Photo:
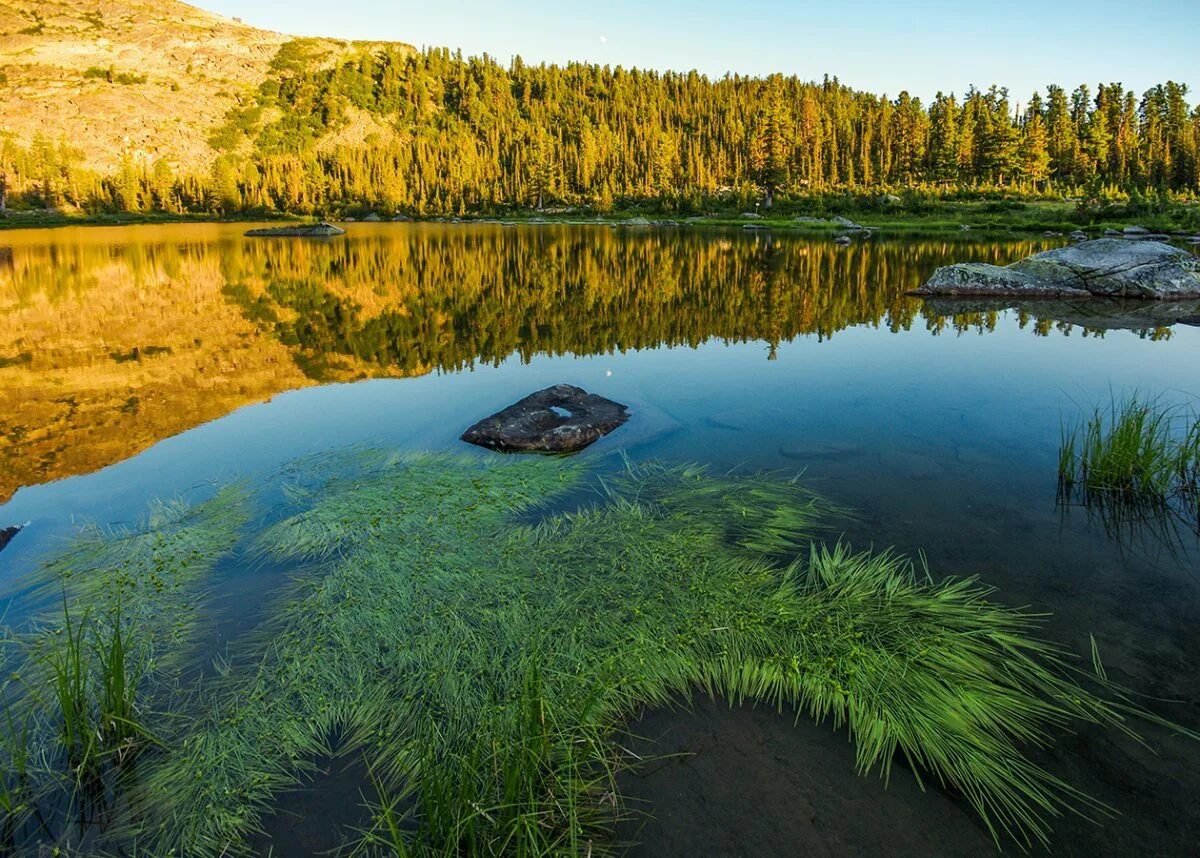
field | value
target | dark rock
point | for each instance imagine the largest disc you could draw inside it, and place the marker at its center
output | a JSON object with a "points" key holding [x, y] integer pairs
{"points": [[372, 218], [1194, 321], [558, 419], [1106, 267], [842, 240], [1135, 230], [317, 230], [1148, 236], [7, 534]]}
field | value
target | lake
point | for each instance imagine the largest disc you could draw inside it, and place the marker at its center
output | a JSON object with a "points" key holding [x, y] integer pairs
{"points": [[151, 362]]}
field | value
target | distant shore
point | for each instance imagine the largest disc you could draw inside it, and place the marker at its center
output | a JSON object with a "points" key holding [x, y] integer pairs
{"points": [[1180, 220]]}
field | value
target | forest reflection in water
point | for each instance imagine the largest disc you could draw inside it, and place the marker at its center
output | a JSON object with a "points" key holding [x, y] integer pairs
{"points": [[114, 338]]}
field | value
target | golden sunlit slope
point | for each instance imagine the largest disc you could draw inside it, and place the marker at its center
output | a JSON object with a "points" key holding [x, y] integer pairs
{"points": [[55, 58]]}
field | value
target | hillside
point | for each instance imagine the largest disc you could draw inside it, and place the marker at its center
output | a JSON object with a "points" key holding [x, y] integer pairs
{"points": [[178, 110], [176, 71]]}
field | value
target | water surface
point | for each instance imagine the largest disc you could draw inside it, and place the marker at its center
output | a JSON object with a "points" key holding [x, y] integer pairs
{"points": [[144, 362]]}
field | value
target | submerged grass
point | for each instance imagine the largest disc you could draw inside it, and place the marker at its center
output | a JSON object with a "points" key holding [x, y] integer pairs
{"points": [[78, 706], [484, 667]]}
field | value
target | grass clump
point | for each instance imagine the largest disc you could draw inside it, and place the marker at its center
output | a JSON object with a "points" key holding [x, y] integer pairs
{"points": [[1137, 453], [483, 659]]}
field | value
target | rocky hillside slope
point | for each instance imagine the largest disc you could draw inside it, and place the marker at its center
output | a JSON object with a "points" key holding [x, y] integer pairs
{"points": [[150, 78]]}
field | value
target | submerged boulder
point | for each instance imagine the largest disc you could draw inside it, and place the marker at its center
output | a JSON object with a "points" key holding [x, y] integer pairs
{"points": [[314, 230], [559, 419], [1105, 267]]}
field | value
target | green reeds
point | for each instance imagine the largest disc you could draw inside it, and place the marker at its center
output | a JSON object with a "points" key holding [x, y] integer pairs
{"points": [[1128, 450], [1136, 456]]}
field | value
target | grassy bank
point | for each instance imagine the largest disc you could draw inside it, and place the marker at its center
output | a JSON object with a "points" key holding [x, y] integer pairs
{"points": [[913, 217]]}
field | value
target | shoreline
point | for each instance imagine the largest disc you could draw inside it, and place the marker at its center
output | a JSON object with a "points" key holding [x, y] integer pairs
{"points": [[968, 222]]}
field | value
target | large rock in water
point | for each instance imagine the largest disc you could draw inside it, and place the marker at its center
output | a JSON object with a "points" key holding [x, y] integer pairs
{"points": [[558, 419], [314, 230], [7, 533], [1106, 267]]}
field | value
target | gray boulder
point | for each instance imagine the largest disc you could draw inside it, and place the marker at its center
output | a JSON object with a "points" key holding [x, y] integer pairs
{"points": [[981, 279], [1106, 267], [1135, 230], [559, 419]]}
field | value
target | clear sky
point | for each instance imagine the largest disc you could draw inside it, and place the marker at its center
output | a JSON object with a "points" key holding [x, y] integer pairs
{"points": [[882, 46]]}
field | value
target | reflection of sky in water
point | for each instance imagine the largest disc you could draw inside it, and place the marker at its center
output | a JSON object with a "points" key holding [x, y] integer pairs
{"points": [[908, 396]]}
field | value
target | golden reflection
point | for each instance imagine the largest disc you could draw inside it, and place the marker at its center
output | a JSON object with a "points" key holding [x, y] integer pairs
{"points": [[112, 339]]}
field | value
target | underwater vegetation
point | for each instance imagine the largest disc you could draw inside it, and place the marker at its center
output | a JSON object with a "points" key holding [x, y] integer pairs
{"points": [[1138, 458], [84, 685], [479, 631]]}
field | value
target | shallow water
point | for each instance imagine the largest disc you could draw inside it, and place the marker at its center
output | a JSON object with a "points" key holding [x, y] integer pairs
{"points": [[145, 362]]}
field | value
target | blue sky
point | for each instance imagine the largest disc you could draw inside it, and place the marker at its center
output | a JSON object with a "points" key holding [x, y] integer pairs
{"points": [[884, 47]]}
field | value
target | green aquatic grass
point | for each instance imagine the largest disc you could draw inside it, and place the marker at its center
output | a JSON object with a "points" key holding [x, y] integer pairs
{"points": [[86, 680], [1135, 462], [1128, 450], [480, 630], [484, 665]]}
